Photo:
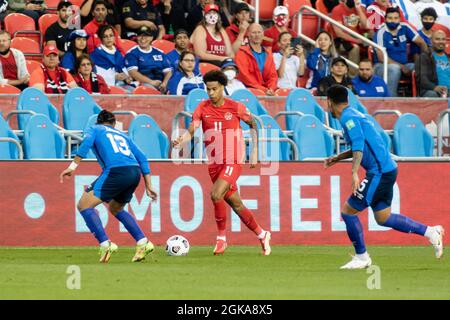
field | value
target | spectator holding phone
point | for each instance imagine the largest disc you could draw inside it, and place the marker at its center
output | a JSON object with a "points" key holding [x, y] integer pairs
{"points": [[289, 61]]}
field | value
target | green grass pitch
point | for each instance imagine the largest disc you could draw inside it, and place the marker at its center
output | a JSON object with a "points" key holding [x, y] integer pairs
{"points": [[291, 272]]}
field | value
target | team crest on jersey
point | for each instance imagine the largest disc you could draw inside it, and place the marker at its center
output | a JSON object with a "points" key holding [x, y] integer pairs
{"points": [[228, 116], [350, 124]]}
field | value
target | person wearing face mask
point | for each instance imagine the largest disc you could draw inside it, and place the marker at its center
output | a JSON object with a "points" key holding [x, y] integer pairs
{"points": [[281, 23], [367, 84], [230, 68], [13, 67], [210, 40], [429, 17], [376, 12], [195, 16], [395, 37]]}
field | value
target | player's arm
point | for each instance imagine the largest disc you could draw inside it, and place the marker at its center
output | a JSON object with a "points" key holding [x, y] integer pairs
{"points": [[187, 136], [357, 139], [254, 135], [335, 159], [145, 169]]}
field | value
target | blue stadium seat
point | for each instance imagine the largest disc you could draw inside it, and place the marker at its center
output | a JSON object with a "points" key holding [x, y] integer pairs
{"points": [[91, 121], [42, 140], [35, 100], [78, 106], [251, 102], [8, 150], [149, 137], [197, 146], [354, 102], [303, 101], [192, 100], [384, 135], [411, 138], [312, 138]]}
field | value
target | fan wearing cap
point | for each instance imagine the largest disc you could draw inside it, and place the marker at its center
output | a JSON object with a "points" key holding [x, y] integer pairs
{"points": [[182, 43], [230, 68], [142, 13], [281, 24], [195, 16], [57, 34], [237, 31], [50, 77], [210, 41], [77, 46], [339, 75], [147, 64]]}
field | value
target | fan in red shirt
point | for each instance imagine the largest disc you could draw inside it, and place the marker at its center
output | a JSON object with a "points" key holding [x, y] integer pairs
{"points": [[220, 119]]}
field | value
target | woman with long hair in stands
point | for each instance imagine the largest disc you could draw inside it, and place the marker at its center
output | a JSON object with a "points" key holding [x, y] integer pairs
{"points": [[319, 60], [87, 79], [77, 47], [185, 78]]}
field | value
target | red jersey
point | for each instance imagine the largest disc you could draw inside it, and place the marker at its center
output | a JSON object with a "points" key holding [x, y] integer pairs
{"points": [[222, 130], [348, 17], [213, 46], [9, 67]]}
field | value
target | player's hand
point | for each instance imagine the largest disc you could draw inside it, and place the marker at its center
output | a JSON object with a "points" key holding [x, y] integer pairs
{"points": [[151, 193], [177, 142], [329, 162], [66, 173], [253, 159], [355, 183]]}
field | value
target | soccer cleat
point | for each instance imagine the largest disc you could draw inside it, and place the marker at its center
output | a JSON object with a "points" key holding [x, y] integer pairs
{"points": [[265, 244], [105, 252], [220, 247], [358, 263], [143, 250], [437, 240]]}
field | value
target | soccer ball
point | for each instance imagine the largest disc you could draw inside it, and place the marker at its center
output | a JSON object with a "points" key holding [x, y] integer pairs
{"points": [[177, 246]]}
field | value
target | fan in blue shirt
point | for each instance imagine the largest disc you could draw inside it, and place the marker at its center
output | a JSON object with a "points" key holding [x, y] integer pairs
{"points": [[377, 188], [366, 84], [122, 163]]}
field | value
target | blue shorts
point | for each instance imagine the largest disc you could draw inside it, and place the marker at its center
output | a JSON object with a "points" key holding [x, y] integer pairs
{"points": [[375, 191], [117, 184]]}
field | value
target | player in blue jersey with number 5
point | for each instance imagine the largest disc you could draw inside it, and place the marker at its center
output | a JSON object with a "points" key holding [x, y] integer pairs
{"points": [[376, 189], [122, 163]]}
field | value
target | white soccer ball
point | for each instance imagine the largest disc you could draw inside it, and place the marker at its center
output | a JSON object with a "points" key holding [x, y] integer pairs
{"points": [[177, 246]]}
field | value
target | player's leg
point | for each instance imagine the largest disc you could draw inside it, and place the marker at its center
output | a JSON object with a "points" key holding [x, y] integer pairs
{"points": [[218, 191], [247, 217]]}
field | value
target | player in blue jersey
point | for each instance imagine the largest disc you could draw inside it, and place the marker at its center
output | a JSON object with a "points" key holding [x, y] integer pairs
{"points": [[376, 189], [122, 163]]}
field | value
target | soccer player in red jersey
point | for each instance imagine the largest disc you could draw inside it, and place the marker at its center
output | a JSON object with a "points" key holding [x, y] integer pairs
{"points": [[220, 119]]}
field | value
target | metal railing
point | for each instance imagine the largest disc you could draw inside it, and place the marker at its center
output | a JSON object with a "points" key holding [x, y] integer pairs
{"points": [[17, 143], [271, 139]]}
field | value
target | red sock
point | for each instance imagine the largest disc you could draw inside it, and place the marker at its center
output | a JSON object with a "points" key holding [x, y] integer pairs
{"points": [[220, 213], [249, 220]]}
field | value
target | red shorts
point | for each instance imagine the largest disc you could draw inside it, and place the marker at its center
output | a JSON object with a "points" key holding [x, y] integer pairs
{"points": [[228, 172]]}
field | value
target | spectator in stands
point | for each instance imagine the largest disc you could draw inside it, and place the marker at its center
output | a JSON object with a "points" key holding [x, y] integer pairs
{"points": [[442, 11], [210, 41], [281, 23], [433, 68], [13, 67], [319, 60], [109, 60], [185, 78], [57, 34], [375, 14], [289, 62], [339, 75], [367, 84], [230, 68], [395, 37], [31, 8], [99, 12], [352, 15], [87, 79], [3, 10], [237, 31], [255, 63], [330, 4], [112, 15], [50, 78], [77, 46], [181, 43], [147, 64], [429, 17], [173, 14], [196, 15], [141, 13]]}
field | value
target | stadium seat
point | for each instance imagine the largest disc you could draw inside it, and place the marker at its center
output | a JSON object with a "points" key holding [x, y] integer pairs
{"points": [[193, 98], [312, 139], [282, 92], [386, 139], [45, 21], [273, 150], [414, 84], [295, 5], [320, 6], [52, 5], [164, 45], [127, 44], [35, 100], [205, 67], [145, 90], [77, 3], [8, 89], [249, 100], [257, 92], [310, 25], [411, 138], [303, 101], [91, 121], [354, 102], [265, 8], [42, 140], [149, 137], [20, 25], [32, 65], [116, 90], [8, 150], [29, 48], [78, 106]]}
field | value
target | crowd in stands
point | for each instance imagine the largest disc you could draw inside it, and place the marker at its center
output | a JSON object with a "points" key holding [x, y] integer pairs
{"points": [[86, 47]]}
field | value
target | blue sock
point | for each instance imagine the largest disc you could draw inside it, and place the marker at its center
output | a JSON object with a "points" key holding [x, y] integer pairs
{"points": [[404, 224], [355, 232], [94, 224], [130, 224]]}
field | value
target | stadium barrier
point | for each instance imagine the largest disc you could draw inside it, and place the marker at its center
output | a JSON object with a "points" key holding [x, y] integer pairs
{"points": [[300, 203]]}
